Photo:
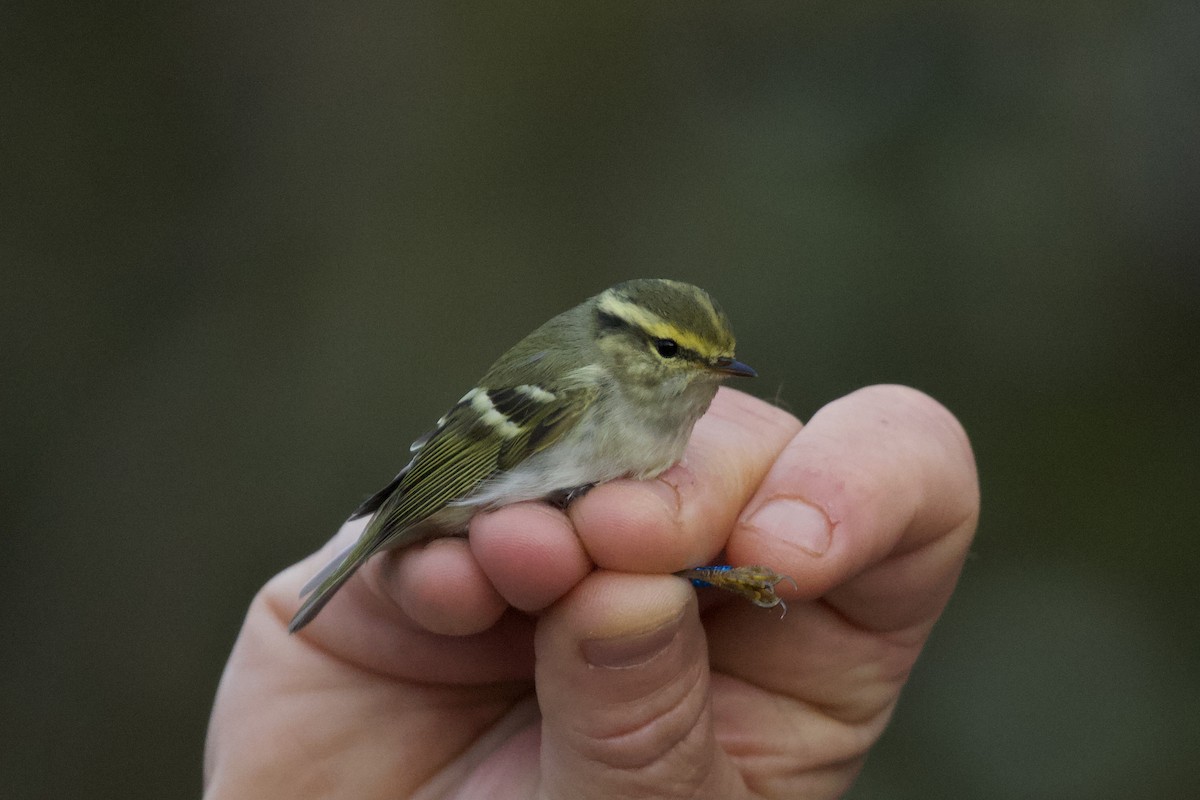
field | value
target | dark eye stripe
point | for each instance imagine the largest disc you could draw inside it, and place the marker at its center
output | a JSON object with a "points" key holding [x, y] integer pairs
{"points": [[611, 323]]}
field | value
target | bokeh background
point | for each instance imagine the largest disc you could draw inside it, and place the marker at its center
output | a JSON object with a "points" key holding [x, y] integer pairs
{"points": [[251, 250]]}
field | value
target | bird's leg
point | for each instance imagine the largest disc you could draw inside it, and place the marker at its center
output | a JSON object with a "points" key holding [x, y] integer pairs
{"points": [[755, 583], [564, 497]]}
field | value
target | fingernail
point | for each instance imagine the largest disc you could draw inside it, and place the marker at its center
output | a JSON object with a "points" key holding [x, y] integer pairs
{"points": [[633, 650], [794, 521]]}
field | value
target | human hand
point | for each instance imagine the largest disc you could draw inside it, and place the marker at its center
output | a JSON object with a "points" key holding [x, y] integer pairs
{"points": [[551, 656]]}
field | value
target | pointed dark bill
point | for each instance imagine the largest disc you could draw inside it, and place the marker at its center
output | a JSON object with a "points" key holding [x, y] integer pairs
{"points": [[729, 366]]}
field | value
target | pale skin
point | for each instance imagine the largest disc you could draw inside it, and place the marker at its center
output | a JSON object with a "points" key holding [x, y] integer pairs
{"points": [[551, 655]]}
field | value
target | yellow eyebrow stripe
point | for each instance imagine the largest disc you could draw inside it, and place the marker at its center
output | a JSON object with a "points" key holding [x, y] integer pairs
{"points": [[654, 325]]}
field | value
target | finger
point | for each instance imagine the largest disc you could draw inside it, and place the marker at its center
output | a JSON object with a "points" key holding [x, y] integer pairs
{"points": [[530, 553], [623, 684], [682, 518], [370, 623], [437, 585], [321, 707], [871, 507], [442, 588]]}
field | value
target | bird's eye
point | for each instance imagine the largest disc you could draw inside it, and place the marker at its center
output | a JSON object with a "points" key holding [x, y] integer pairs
{"points": [[667, 348]]}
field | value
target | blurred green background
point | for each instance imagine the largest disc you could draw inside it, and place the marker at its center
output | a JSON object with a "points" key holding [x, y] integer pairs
{"points": [[251, 250]]}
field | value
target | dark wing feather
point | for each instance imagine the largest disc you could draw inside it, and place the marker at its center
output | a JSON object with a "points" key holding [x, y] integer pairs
{"points": [[373, 503], [544, 423]]}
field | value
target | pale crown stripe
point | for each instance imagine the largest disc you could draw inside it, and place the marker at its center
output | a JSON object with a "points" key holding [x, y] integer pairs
{"points": [[632, 313]]}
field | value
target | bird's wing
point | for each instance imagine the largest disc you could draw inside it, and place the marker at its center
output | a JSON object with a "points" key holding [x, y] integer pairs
{"points": [[490, 430], [541, 415]]}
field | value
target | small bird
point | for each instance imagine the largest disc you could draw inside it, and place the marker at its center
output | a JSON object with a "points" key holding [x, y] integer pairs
{"points": [[609, 389]]}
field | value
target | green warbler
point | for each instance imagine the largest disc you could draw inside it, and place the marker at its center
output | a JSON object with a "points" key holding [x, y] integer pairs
{"points": [[609, 389]]}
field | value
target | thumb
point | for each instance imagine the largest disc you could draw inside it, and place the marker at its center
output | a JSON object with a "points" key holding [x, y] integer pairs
{"points": [[623, 684]]}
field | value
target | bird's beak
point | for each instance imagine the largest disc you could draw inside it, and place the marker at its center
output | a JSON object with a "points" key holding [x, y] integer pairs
{"points": [[728, 366]]}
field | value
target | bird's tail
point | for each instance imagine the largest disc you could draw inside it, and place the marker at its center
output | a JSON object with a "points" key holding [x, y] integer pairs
{"points": [[322, 586]]}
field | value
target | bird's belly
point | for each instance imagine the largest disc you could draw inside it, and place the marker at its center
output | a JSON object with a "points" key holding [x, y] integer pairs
{"points": [[596, 452]]}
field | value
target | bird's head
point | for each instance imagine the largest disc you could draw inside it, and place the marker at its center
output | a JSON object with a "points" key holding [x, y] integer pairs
{"points": [[662, 336]]}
